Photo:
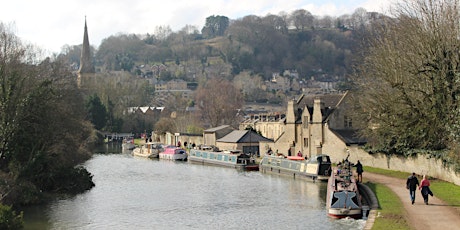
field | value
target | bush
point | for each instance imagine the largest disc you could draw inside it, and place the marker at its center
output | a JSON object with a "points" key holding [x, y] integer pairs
{"points": [[9, 219]]}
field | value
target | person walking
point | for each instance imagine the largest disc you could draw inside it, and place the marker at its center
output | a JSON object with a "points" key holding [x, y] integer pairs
{"points": [[411, 184], [425, 189], [359, 170]]}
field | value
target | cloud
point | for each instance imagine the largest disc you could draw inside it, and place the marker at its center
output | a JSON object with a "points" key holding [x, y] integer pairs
{"points": [[53, 23]]}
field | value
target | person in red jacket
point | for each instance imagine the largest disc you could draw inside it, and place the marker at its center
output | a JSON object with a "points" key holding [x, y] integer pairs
{"points": [[425, 189]]}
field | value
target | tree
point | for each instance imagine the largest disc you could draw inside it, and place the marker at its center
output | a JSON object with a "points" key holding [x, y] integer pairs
{"points": [[165, 124], [43, 134], [409, 81], [119, 52], [97, 113], [218, 101], [215, 26], [301, 19]]}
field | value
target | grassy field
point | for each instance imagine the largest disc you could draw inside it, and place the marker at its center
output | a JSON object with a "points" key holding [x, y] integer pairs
{"points": [[139, 142], [391, 208]]}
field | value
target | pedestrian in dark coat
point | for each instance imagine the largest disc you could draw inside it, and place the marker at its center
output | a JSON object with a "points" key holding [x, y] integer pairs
{"points": [[359, 170], [411, 184]]}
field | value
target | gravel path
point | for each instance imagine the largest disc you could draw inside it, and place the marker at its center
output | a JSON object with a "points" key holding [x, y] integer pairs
{"points": [[435, 215]]}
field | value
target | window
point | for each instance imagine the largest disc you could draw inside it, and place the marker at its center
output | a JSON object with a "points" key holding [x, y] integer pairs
{"points": [[347, 122], [305, 122]]}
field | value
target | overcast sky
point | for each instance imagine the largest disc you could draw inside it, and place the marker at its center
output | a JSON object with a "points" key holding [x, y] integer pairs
{"points": [[51, 24]]}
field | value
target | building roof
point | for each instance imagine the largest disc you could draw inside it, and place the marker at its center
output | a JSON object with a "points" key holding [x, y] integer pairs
{"points": [[350, 137], [215, 129], [243, 136], [144, 109], [329, 104], [328, 100]]}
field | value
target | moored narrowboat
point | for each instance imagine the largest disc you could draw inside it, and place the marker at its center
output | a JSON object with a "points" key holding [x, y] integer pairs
{"points": [[148, 149], [316, 168], [173, 153], [343, 198], [228, 158]]}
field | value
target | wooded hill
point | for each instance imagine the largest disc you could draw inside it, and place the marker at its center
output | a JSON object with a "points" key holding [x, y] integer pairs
{"points": [[320, 47]]}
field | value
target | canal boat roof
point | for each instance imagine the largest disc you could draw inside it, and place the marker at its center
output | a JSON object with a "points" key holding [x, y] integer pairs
{"points": [[233, 151], [295, 158]]}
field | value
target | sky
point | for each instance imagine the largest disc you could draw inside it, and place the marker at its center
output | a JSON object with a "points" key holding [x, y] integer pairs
{"points": [[51, 24]]}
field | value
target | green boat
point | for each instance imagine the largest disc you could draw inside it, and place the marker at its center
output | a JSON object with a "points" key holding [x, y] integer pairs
{"points": [[228, 158], [316, 168]]}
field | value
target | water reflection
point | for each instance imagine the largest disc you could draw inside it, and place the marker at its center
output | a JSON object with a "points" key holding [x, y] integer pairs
{"points": [[138, 193]]}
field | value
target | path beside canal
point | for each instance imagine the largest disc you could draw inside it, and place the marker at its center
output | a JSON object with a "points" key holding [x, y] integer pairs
{"points": [[435, 215]]}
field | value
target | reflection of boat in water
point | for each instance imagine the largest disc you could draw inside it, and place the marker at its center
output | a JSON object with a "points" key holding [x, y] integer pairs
{"points": [[128, 144], [174, 153], [343, 198], [228, 158], [149, 149], [316, 168]]}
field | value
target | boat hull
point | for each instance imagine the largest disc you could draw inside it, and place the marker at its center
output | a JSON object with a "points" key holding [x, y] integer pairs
{"points": [[174, 157], [145, 154], [214, 162], [175, 154], [339, 213]]}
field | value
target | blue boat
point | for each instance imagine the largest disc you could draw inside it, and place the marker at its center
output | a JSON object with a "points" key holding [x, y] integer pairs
{"points": [[229, 158]]}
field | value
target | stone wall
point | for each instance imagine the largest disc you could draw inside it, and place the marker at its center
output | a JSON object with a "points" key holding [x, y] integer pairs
{"points": [[337, 150], [419, 164]]}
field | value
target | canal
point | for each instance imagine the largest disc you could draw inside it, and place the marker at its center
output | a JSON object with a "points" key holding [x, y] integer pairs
{"points": [[138, 193]]}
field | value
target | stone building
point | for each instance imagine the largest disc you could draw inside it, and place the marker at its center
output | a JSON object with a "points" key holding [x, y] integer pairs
{"points": [[313, 124], [245, 140], [210, 136]]}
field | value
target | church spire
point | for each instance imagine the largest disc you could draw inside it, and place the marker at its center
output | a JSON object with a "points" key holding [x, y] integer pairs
{"points": [[86, 66]]}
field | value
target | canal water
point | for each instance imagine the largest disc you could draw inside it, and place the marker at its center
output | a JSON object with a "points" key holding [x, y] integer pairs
{"points": [[139, 193]]}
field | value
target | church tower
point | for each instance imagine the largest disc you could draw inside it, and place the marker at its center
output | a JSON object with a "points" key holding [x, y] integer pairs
{"points": [[86, 66]]}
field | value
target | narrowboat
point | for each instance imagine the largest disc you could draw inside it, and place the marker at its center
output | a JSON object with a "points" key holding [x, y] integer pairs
{"points": [[148, 149], [228, 158], [174, 153], [343, 198], [316, 168]]}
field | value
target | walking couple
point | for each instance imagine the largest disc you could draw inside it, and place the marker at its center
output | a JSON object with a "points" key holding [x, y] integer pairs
{"points": [[424, 186]]}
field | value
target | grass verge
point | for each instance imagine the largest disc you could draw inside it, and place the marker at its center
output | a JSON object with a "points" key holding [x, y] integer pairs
{"points": [[391, 212]]}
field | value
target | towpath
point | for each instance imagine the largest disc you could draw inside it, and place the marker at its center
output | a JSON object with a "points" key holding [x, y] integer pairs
{"points": [[435, 215]]}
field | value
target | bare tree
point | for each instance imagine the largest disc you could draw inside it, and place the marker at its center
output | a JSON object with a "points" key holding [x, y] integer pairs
{"points": [[359, 18], [218, 101], [409, 79]]}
